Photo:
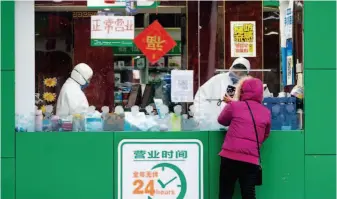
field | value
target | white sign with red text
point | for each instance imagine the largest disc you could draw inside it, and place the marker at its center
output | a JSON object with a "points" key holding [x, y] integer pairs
{"points": [[112, 30]]}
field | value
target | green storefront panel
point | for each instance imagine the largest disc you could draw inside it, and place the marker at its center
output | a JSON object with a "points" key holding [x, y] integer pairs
{"points": [[320, 35], [320, 111], [215, 142], [320, 176], [64, 165], [166, 137], [7, 114], [271, 3], [282, 161], [7, 35], [7, 178]]}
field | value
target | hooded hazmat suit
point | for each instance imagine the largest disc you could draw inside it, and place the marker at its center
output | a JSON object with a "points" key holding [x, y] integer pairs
{"points": [[214, 88], [72, 99]]}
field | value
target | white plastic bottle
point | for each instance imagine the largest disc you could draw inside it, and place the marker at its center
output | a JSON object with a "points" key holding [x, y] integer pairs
{"points": [[300, 119], [38, 120]]}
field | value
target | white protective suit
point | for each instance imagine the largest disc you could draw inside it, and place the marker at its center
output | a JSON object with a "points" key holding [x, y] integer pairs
{"points": [[214, 88], [72, 99]]}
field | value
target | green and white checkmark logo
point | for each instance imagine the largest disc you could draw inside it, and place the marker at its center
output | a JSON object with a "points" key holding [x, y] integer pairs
{"points": [[164, 185], [179, 179]]}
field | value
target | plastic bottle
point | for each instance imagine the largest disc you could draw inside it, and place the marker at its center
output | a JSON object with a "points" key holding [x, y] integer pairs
{"points": [[38, 120], [176, 118], [105, 111], [120, 118], [300, 118], [55, 122], [166, 86], [149, 110], [164, 120]]}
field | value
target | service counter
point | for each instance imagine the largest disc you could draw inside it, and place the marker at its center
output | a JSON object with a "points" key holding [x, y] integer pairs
{"points": [[97, 165]]}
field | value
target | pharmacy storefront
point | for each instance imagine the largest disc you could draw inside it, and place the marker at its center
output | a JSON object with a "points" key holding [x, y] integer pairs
{"points": [[137, 130]]}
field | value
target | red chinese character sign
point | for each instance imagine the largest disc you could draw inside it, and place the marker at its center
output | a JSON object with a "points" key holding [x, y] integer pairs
{"points": [[154, 42], [112, 30]]}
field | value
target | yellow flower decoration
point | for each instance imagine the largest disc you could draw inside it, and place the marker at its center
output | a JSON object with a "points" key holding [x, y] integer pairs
{"points": [[50, 82], [43, 108], [49, 97]]}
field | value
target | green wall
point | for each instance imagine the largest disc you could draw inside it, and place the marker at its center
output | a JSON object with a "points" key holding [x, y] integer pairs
{"points": [[7, 79], [282, 162], [83, 165], [7, 140], [80, 165], [320, 99], [64, 165]]}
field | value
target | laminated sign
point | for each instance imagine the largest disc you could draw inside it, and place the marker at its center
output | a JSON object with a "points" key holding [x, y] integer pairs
{"points": [[243, 39], [165, 169], [154, 42], [112, 30]]}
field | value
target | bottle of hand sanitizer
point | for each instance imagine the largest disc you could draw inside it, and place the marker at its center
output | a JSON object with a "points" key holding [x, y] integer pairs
{"points": [[176, 118]]}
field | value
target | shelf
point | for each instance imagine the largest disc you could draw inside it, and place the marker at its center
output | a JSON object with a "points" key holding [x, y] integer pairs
{"points": [[127, 68], [140, 54]]}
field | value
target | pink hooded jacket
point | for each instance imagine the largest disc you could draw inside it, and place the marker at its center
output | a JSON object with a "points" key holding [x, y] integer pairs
{"points": [[240, 141]]}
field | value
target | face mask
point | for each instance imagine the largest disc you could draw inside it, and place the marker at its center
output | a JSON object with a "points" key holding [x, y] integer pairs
{"points": [[84, 86], [86, 82], [235, 79]]}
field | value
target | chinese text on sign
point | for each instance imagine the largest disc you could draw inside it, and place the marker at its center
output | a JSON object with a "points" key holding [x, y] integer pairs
{"points": [[243, 39], [154, 42], [112, 30]]}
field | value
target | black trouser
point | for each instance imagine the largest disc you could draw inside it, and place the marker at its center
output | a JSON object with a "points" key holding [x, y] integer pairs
{"points": [[230, 171]]}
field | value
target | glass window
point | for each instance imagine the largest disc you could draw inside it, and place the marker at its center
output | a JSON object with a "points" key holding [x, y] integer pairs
{"points": [[130, 86], [270, 53]]}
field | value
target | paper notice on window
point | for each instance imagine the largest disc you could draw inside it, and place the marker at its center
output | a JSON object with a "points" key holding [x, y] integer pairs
{"points": [[243, 38], [182, 85]]}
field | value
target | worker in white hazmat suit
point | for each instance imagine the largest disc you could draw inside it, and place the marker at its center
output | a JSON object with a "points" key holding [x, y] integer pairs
{"points": [[206, 101], [72, 99]]}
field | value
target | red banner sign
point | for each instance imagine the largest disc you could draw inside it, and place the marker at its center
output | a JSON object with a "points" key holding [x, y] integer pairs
{"points": [[154, 42]]}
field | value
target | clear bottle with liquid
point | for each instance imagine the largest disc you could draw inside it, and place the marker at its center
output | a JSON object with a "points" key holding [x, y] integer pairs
{"points": [[300, 119]]}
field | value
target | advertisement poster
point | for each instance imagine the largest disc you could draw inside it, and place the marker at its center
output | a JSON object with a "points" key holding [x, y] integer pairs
{"points": [[243, 39], [112, 30], [182, 85], [165, 169]]}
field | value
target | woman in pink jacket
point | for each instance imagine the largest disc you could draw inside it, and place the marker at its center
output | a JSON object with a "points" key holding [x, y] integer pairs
{"points": [[240, 151]]}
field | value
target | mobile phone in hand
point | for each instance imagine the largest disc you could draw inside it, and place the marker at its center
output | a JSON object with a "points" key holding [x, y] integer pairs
{"points": [[231, 90]]}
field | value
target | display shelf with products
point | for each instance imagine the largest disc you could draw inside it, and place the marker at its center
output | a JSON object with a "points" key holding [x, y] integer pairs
{"points": [[132, 67], [129, 77]]}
